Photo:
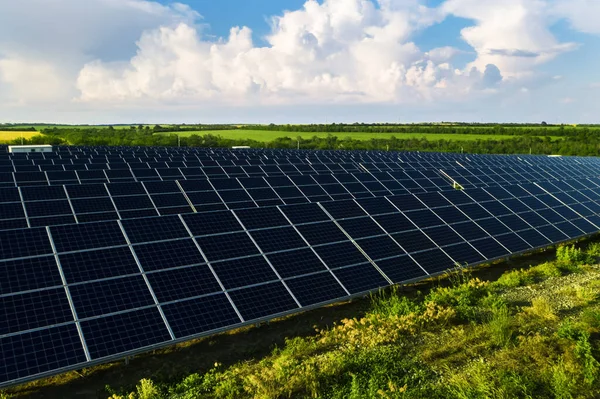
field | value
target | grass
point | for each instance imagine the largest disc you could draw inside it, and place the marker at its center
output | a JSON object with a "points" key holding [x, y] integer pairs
{"points": [[533, 335], [266, 136], [8, 136]]}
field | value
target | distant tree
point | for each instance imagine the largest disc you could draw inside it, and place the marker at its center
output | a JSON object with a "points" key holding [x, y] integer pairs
{"points": [[544, 123], [140, 127]]}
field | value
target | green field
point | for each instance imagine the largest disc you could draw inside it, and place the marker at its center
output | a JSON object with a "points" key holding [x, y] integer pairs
{"points": [[265, 136]]}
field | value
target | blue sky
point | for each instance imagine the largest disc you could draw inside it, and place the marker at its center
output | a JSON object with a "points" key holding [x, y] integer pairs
{"points": [[299, 61]]}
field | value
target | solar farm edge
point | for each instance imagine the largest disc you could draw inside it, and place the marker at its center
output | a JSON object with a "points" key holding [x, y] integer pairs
{"points": [[123, 355]]}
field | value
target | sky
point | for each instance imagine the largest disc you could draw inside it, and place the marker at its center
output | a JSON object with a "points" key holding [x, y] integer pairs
{"points": [[293, 61]]}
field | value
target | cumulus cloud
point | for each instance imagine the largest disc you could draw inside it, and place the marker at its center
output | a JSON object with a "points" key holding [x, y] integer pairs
{"points": [[132, 53], [340, 50], [43, 44], [514, 35]]}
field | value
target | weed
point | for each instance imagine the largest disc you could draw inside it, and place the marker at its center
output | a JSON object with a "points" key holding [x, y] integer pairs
{"points": [[562, 381], [570, 254], [548, 269], [499, 327], [464, 298], [583, 350], [517, 278]]}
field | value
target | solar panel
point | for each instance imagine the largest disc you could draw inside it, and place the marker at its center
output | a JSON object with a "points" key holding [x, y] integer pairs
{"points": [[400, 222]]}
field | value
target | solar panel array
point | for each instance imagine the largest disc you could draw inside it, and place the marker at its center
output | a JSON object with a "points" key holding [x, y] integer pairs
{"points": [[95, 269]]}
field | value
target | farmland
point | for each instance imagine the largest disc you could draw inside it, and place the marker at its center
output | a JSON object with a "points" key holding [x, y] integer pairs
{"points": [[8, 136]]}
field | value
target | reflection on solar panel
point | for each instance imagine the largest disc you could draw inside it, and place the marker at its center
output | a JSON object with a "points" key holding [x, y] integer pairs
{"points": [[107, 252]]}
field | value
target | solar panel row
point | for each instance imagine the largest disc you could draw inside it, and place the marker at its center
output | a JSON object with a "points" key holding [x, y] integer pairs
{"points": [[82, 293]]}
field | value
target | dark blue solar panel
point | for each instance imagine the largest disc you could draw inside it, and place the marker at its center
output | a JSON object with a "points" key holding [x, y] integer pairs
{"points": [[12, 211], [361, 227], [360, 278], [489, 248], [433, 200], [293, 263], [394, 223], [86, 236], [47, 350], [554, 234], [514, 222], [463, 254], [407, 202], [277, 239], [341, 254], [380, 247], [84, 266], [493, 226], [513, 242], [154, 229], [212, 223], [86, 190], [316, 288], [124, 332], [227, 246], [424, 218], [343, 209], [584, 225], [8, 194], [450, 214], [34, 310], [264, 300], [321, 233], [48, 208], [261, 218], [474, 211], [133, 202], [169, 200], [401, 268], [103, 297], [130, 188], [534, 238], [245, 271], [170, 285], [43, 193], [28, 274], [23, 243], [443, 235], [433, 260], [413, 241], [92, 205], [198, 315], [376, 206], [304, 213]]}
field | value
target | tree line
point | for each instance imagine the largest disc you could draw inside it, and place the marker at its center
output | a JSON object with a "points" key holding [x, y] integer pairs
{"points": [[585, 145]]}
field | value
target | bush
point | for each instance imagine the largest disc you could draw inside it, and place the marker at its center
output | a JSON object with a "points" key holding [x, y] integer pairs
{"points": [[464, 298], [517, 278], [570, 254]]}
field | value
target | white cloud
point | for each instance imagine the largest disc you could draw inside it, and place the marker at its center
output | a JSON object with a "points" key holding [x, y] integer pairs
{"points": [[514, 35], [105, 54], [43, 44], [582, 14], [338, 50]]}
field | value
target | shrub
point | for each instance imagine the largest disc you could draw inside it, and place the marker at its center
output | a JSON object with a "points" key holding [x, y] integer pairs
{"points": [[517, 278], [583, 350], [464, 297], [549, 269], [562, 381], [570, 254]]}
